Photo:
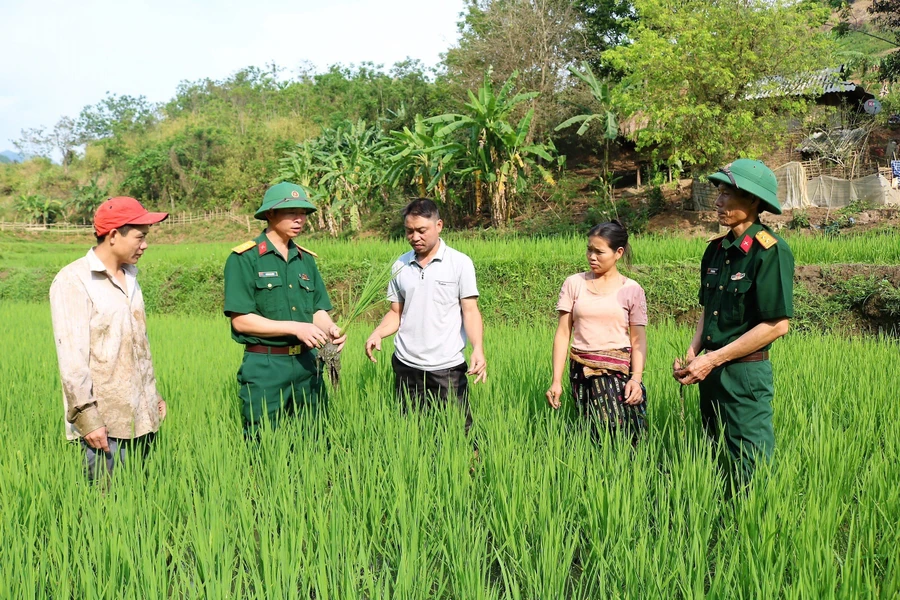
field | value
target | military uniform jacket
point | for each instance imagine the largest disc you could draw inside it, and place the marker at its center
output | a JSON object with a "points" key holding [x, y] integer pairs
{"points": [[743, 283], [258, 280]]}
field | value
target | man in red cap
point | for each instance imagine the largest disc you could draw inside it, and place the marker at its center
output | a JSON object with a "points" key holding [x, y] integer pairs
{"points": [[99, 325]]}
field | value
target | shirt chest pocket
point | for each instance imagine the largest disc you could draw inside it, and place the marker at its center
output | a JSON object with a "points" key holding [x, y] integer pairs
{"points": [[270, 298], [708, 286], [735, 300], [446, 292]]}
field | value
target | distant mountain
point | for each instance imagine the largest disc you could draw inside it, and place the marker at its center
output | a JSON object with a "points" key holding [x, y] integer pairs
{"points": [[10, 156]]}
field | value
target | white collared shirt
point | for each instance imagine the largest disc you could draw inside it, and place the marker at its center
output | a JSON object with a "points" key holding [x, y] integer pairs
{"points": [[431, 335], [100, 331]]}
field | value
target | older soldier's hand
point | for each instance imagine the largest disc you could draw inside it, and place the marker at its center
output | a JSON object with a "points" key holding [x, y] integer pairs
{"points": [[696, 370], [162, 408], [310, 335], [98, 439]]}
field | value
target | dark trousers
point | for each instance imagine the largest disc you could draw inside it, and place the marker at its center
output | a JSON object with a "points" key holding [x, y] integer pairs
{"points": [[418, 389], [739, 396], [98, 464]]}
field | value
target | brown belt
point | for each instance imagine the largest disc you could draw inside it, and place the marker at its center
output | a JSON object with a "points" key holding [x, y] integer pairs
{"points": [[291, 350], [755, 357]]}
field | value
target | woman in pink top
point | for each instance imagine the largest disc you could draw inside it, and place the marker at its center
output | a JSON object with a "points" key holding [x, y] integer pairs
{"points": [[604, 314]]}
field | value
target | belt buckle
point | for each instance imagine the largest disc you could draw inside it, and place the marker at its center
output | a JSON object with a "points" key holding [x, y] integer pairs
{"points": [[295, 350]]}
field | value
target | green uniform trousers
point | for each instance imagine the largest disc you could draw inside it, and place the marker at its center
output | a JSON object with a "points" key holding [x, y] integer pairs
{"points": [[739, 396], [274, 385]]}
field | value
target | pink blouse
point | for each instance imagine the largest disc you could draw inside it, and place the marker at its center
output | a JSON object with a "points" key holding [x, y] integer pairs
{"points": [[602, 321]]}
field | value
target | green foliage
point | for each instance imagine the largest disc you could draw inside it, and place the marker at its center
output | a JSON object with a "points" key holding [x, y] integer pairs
{"points": [[635, 216], [342, 169], [35, 208], [498, 154], [799, 219], [367, 502], [85, 200], [692, 66]]}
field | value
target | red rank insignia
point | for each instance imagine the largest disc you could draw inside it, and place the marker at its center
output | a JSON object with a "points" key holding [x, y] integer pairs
{"points": [[262, 248], [746, 243]]}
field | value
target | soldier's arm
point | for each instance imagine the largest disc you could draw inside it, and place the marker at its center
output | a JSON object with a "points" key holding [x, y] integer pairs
{"points": [[258, 326]]}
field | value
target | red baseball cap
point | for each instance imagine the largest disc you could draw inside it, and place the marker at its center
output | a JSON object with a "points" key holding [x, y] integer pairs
{"points": [[123, 210]]}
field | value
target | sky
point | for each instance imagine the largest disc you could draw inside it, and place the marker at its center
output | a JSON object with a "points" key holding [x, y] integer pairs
{"points": [[59, 56]]}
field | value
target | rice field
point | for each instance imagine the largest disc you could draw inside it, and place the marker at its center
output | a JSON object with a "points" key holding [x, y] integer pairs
{"points": [[879, 248], [366, 503]]}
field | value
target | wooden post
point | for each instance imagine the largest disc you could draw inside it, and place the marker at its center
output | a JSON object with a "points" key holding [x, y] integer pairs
{"points": [[639, 176]]}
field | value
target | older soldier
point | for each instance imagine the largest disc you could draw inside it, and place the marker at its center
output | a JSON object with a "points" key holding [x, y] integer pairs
{"points": [[99, 325], [746, 292], [434, 309], [278, 305]]}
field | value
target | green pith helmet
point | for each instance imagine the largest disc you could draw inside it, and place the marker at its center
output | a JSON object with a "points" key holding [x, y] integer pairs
{"points": [[284, 195], [753, 177]]}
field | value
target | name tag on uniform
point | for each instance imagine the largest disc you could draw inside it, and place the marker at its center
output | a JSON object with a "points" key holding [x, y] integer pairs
{"points": [[268, 273], [712, 271]]}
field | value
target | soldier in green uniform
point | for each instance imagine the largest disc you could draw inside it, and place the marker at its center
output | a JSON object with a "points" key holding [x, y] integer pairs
{"points": [[278, 305], [746, 289]]}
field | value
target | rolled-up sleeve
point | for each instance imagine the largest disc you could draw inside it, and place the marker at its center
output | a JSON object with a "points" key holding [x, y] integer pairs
{"points": [[70, 308]]}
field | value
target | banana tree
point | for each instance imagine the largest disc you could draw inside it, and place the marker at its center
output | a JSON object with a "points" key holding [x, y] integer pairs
{"points": [[605, 117], [421, 158], [38, 209], [496, 153]]}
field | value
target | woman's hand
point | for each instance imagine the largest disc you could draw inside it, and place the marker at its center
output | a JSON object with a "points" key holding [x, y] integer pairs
{"points": [[634, 395], [554, 394]]}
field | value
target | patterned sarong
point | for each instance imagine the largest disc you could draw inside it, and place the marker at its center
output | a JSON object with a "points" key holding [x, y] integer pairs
{"points": [[598, 385]]}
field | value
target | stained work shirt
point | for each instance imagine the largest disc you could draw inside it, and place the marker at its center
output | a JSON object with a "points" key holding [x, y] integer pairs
{"points": [[431, 335], [743, 283], [104, 355], [260, 281]]}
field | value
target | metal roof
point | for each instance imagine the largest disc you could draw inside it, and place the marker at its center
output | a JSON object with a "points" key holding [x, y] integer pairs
{"points": [[817, 84]]}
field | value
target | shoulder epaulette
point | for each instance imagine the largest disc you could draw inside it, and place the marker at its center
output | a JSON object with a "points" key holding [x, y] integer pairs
{"points": [[243, 247], [310, 252], [718, 236], [765, 239]]}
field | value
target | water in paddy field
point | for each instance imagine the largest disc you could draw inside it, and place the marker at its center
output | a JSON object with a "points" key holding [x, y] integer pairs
{"points": [[364, 502]]}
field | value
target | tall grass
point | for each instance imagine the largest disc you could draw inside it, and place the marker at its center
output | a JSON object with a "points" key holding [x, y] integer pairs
{"points": [[367, 503]]}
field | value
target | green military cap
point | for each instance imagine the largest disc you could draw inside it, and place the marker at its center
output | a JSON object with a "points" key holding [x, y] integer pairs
{"points": [[284, 195], [753, 177]]}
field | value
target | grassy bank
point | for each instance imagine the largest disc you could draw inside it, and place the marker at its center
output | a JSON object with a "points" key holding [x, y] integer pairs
{"points": [[519, 279]]}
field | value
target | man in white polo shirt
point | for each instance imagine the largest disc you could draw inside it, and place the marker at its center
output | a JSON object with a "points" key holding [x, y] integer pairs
{"points": [[434, 310]]}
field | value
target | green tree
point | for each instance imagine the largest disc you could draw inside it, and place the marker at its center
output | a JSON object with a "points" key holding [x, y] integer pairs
{"points": [[36, 208], [497, 153], [887, 15], [694, 65], [605, 117], [85, 201]]}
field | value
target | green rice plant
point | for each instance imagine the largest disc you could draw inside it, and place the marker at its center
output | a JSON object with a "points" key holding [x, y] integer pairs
{"points": [[372, 292], [364, 501]]}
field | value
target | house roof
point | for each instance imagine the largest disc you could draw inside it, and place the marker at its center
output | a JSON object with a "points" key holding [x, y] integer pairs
{"points": [[827, 86]]}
